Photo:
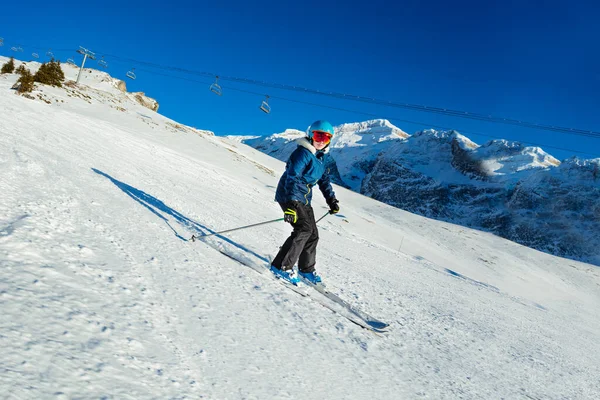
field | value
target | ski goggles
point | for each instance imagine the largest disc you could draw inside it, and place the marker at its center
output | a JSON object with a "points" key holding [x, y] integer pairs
{"points": [[321, 137]]}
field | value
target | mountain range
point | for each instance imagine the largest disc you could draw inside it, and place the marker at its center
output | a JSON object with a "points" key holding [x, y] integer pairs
{"points": [[518, 192]]}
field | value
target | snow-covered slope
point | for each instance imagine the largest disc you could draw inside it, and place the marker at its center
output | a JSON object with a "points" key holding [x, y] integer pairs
{"points": [[102, 296]]}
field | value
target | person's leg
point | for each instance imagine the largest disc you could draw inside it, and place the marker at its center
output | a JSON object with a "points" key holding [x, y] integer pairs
{"points": [[290, 251], [309, 252]]}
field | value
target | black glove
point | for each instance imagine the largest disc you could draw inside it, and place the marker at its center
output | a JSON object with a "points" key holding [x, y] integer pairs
{"points": [[334, 206], [289, 213]]}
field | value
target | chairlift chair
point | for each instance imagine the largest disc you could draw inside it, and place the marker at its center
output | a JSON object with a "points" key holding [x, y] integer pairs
{"points": [[14, 48], [265, 107], [215, 88], [103, 63], [50, 54], [35, 55], [71, 61], [1, 41], [131, 74]]}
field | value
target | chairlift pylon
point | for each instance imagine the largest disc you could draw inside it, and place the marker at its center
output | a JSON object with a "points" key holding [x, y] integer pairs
{"points": [[265, 107], [215, 88], [131, 74]]}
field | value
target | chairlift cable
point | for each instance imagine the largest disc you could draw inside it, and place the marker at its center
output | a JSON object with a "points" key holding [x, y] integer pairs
{"points": [[387, 103], [345, 96], [371, 114]]}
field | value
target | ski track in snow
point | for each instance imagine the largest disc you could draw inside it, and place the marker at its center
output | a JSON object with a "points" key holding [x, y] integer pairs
{"points": [[103, 296]]}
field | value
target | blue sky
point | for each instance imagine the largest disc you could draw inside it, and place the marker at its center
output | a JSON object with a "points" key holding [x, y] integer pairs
{"points": [[532, 61]]}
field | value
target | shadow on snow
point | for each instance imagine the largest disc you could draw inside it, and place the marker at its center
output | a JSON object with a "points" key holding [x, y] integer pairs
{"points": [[158, 208]]}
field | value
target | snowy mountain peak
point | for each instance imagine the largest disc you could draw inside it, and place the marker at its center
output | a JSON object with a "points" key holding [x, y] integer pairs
{"points": [[434, 144], [494, 158], [463, 141], [504, 145], [444, 136], [291, 134], [576, 161], [366, 133], [510, 147], [505, 157], [579, 171], [367, 126]]}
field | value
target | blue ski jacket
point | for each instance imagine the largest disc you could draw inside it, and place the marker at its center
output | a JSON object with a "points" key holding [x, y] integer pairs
{"points": [[305, 169]]}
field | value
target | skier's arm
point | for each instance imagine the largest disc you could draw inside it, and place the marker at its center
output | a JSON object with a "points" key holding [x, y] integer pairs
{"points": [[295, 168], [325, 186], [327, 190]]}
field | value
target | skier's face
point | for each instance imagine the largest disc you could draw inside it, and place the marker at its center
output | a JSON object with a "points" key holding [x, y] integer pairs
{"points": [[319, 145], [320, 139]]}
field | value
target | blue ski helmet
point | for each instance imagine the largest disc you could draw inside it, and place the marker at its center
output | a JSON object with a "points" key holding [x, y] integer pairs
{"points": [[321, 126]]}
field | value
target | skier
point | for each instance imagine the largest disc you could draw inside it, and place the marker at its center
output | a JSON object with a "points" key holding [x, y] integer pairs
{"points": [[305, 168]]}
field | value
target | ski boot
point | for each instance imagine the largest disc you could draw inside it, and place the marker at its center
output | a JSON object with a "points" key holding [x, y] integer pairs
{"points": [[290, 275], [311, 277]]}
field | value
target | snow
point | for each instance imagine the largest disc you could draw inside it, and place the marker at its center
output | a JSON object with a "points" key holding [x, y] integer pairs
{"points": [[505, 157], [366, 133], [102, 296]]}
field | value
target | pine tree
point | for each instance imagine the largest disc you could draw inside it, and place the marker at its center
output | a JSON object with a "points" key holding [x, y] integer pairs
{"points": [[50, 74], [9, 67], [21, 69], [26, 80], [57, 71]]}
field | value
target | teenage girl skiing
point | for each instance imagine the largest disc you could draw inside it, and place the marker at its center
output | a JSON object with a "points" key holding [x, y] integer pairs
{"points": [[305, 168]]}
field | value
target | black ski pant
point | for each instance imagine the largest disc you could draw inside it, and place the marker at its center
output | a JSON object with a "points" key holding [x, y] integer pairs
{"points": [[301, 246]]}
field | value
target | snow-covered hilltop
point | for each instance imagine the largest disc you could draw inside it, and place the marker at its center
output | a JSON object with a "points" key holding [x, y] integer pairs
{"points": [[518, 192], [102, 295], [94, 85]]}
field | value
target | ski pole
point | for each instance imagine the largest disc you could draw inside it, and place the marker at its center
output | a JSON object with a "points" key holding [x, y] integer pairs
{"points": [[194, 237], [322, 217]]}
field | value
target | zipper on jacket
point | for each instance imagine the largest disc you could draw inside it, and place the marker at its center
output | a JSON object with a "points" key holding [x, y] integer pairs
{"points": [[309, 189]]}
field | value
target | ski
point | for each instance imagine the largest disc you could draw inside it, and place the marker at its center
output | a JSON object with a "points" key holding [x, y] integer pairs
{"points": [[345, 312], [326, 301], [371, 321], [265, 271], [333, 306]]}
